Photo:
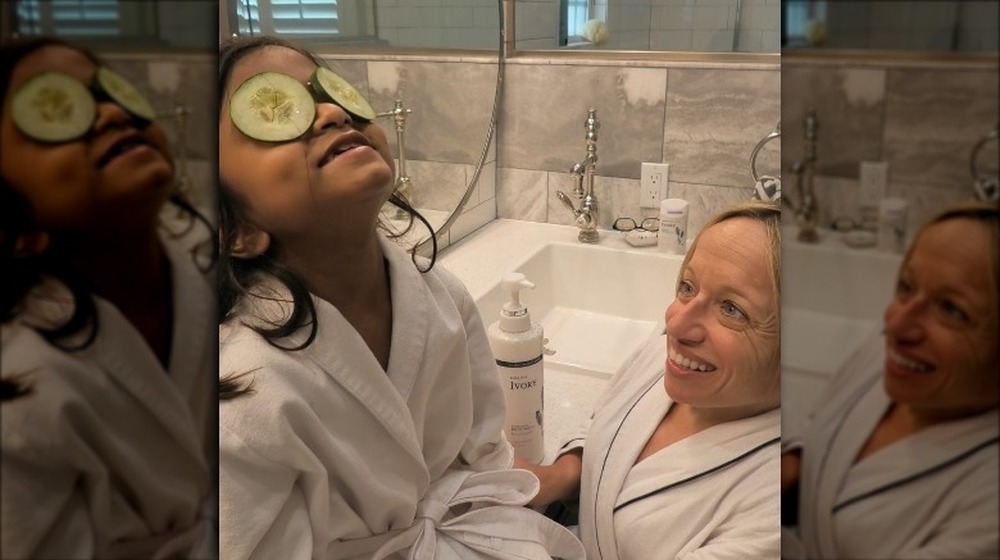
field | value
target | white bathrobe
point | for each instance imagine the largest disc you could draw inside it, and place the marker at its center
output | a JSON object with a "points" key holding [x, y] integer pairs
{"points": [[712, 495], [332, 457], [111, 455], [930, 495]]}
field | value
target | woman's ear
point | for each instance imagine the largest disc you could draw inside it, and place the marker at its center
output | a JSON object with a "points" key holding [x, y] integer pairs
{"points": [[251, 242], [31, 244]]}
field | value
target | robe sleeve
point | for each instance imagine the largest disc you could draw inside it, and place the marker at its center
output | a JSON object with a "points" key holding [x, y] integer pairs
{"points": [[753, 527], [971, 529], [44, 466], [262, 513], [42, 514]]}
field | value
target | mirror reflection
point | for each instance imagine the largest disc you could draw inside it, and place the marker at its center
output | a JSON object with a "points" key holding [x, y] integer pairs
{"points": [[751, 26], [923, 25], [465, 24], [113, 24]]}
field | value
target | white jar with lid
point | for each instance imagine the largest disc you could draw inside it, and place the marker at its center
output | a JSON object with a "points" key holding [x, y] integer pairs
{"points": [[672, 237]]}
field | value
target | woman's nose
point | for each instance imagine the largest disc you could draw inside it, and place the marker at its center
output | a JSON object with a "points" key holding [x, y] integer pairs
{"points": [[331, 115], [110, 115], [685, 321], [904, 320]]}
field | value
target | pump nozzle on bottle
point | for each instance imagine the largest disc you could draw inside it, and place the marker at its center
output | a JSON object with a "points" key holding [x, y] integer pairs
{"points": [[514, 315]]}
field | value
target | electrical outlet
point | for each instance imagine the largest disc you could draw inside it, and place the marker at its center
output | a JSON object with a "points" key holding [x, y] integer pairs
{"points": [[653, 184]]}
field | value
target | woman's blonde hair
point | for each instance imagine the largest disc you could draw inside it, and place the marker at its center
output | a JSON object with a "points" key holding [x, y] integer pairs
{"points": [[769, 215], [986, 213]]}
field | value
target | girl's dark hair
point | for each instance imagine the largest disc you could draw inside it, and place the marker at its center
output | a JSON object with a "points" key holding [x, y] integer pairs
{"points": [[237, 275], [22, 272]]}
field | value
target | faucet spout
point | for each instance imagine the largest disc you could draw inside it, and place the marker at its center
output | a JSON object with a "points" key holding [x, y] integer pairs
{"points": [[585, 216], [807, 209]]}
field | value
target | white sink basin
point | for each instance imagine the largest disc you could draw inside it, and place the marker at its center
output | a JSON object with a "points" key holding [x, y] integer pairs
{"points": [[596, 303], [833, 298]]}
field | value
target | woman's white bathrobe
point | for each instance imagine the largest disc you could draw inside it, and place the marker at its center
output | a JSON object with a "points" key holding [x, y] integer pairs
{"points": [[111, 455], [712, 495], [931, 495], [332, 457]]}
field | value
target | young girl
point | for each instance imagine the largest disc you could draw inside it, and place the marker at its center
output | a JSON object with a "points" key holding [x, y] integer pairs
{"points": [[362, 409], [108, 356]]}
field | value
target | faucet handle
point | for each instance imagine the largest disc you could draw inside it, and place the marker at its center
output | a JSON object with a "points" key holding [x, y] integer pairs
{"points": [[564, 198], [592, 124]]}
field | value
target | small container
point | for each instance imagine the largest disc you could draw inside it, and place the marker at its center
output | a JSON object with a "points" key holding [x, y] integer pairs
{"points": [[891, 225], [673, 226]]}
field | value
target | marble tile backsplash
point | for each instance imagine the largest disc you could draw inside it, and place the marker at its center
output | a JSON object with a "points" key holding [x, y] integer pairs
{"points": [[923, 119], [702, 121]]}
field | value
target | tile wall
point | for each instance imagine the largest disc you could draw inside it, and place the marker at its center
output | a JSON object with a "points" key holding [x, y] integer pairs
{"points": [[702, 120], [923, 118]]}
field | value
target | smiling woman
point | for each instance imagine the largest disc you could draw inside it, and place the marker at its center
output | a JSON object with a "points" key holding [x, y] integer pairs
{"points": [[686, 436], [900, 458], [108, 415]]}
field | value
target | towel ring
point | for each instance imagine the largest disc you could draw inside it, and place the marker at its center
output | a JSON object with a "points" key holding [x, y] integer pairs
{"points": [[776, 133], [992, 135]]}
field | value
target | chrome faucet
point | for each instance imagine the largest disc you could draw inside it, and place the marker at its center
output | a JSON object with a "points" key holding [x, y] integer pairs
{"points": [[585, 216], [807, 210]]}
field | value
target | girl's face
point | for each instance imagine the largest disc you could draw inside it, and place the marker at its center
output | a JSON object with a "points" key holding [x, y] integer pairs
{"points": [[941, 328], [90, 184], [722, 327], [295, 189]]}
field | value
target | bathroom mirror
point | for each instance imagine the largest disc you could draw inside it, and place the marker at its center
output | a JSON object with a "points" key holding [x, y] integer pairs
{"points": [[967, 26], [413, 24], [115, 25], [715, 26], [445, 130]]}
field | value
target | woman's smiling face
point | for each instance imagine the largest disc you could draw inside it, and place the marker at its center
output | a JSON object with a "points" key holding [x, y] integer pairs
{"points": [[294, 189], [723, 326], [942, 325]]}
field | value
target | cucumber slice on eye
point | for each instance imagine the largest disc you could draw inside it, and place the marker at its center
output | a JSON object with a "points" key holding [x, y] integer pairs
{"points": [[272, 107], [325, 81], [53, 107], [125, 94]]}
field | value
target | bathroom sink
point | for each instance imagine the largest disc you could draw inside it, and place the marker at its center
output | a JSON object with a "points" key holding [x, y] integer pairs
{"points": [[833, 298], [596, 303]]}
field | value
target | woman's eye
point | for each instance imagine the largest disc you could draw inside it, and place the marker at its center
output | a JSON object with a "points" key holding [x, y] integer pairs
{"points": [[685, 289], [730, 310], [903, 288], [953, 311]]}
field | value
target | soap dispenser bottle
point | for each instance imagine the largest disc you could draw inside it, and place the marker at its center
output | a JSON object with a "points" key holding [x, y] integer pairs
{"points": [[517, 346]]}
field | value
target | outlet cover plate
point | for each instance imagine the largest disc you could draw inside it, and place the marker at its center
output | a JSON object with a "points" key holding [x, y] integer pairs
{"points": [[653, 184]]}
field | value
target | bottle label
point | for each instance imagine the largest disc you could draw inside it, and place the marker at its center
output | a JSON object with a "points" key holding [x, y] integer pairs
{"points": [[522, 383]]}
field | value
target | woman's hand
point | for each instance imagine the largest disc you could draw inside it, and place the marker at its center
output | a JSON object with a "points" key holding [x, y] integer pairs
{"points": [[558, 481], [791, 462]]}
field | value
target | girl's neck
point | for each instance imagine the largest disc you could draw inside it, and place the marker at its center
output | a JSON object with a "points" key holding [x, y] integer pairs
{"points": [[128, 269], [341, 273]]}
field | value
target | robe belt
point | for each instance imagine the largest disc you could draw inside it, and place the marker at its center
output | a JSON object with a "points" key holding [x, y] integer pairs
{"points": [[494, 525]]}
